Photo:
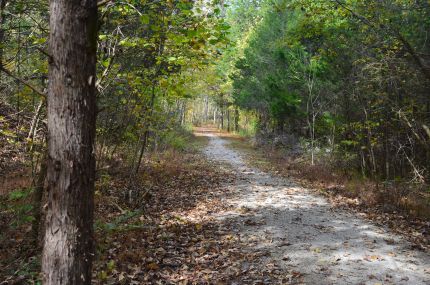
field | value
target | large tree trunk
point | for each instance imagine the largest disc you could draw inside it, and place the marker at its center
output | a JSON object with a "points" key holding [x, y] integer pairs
{"points": [[68, 246]]}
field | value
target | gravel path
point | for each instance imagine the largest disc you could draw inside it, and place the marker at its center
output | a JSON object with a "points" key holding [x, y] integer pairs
{"points": [[303, 234]]}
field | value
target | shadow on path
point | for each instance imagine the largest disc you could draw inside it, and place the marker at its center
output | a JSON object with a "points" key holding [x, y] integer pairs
{"points": [[298, 234]]}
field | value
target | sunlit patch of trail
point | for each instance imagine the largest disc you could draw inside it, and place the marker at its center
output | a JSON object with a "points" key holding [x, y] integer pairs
{"points": [[301, 235]]}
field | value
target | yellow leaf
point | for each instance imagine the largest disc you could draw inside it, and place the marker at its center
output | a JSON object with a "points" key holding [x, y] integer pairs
{"points": [[153, 266], [103, 275]]}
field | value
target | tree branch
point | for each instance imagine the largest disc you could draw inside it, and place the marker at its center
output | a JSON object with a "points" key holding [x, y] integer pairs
{"points": [[396, 34], [29, 85], [103, 2], [44, 52]]}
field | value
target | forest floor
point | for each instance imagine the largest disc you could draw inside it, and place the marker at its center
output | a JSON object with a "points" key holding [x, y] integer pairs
{"points": [[208, 215], [301, 238]]}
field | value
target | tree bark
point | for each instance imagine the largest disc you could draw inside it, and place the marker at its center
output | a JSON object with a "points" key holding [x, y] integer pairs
{"points": [[146, 133], [206, 101], [2, 41], [236, 119], [228, 120], [68, 245], [35, 122], [2, 21], [222, 118], [214, 119], [37, 201]]}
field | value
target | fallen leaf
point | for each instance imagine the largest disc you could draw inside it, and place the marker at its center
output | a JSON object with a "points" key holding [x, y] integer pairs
{"points": [[153, 266]]}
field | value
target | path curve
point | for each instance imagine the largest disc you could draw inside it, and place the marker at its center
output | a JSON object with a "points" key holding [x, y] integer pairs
{"points": [[303, 234]]}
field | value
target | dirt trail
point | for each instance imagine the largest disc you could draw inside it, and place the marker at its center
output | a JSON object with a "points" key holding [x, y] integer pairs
{"points": [[301, 233]]}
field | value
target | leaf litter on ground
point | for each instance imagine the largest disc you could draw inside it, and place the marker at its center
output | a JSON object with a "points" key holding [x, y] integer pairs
{"points": [[175, 239]]}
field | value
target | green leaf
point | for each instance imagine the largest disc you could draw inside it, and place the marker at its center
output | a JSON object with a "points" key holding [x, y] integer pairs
{"points": [[144, 19]]}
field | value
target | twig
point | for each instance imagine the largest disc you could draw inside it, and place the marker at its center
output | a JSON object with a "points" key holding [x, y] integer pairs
{"points": [[394, 33], [117, 206], [103, 2], [35, 89], [44, 52]]}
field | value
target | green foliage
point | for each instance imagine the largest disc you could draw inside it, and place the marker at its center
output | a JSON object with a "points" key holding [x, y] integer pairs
{"points": [[174, 140], [19, 194], [350, 73], [120, 223], [30, 269], [150, 54], [179, 139], [19, 204]]}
